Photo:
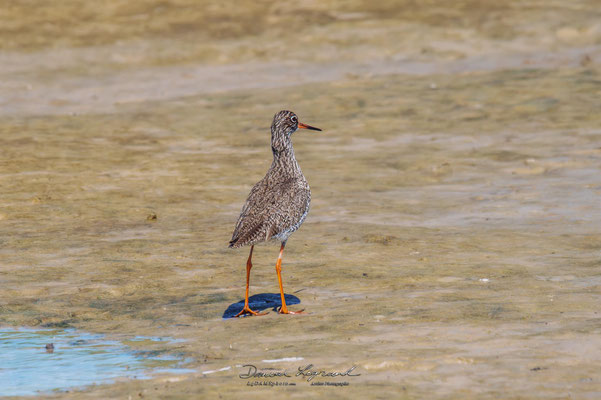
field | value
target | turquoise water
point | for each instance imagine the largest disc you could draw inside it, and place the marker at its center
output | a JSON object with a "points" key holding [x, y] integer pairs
{"points": [[78, 359]]}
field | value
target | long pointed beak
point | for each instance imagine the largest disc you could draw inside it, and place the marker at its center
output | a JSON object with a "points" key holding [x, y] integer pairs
{"points": [[304, 126]]}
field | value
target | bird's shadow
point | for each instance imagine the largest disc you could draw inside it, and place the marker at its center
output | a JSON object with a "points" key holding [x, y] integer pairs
{"points": [[260, 302]]}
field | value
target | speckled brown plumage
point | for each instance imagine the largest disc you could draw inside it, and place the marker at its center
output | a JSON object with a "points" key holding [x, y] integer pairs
{"points": [[278, 204]]}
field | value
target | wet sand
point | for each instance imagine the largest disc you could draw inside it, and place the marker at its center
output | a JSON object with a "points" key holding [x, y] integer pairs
{"points": [[452, 248]]}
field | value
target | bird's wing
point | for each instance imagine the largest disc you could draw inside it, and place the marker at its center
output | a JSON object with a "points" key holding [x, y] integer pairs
{"points": [[269, 210], [291, 208], [250, 220]]}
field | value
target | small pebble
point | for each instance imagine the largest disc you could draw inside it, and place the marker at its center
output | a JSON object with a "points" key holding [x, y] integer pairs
{"points": [[586, 60]]}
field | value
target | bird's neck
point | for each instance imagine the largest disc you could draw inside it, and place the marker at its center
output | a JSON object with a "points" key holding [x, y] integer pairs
{"points": [[284, 162]]}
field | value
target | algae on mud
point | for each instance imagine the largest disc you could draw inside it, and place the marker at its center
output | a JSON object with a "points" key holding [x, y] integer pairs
{"points": [[452, 246]]}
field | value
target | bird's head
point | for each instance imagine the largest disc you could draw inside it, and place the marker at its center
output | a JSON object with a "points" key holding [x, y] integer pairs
{"points": [[284, 124]]}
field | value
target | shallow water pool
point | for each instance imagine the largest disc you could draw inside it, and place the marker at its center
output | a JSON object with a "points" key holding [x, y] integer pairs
{"points": [[30, 365]]}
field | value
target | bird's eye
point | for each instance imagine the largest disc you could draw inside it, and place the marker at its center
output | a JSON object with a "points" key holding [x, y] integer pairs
{"points": [[293, 119]]}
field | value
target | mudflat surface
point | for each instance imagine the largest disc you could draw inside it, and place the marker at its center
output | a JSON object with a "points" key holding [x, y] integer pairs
{"points": [[452, 248]]}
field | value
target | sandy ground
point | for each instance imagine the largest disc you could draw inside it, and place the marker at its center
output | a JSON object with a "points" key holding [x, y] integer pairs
{"points": [[452, 249]]}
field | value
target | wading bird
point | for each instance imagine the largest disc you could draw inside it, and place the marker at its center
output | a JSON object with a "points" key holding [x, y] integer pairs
{"points": [[278, 204]]}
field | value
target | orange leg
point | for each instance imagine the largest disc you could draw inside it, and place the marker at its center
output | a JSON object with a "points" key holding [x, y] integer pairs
{"points": [[246, 310], [278, 268]]}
